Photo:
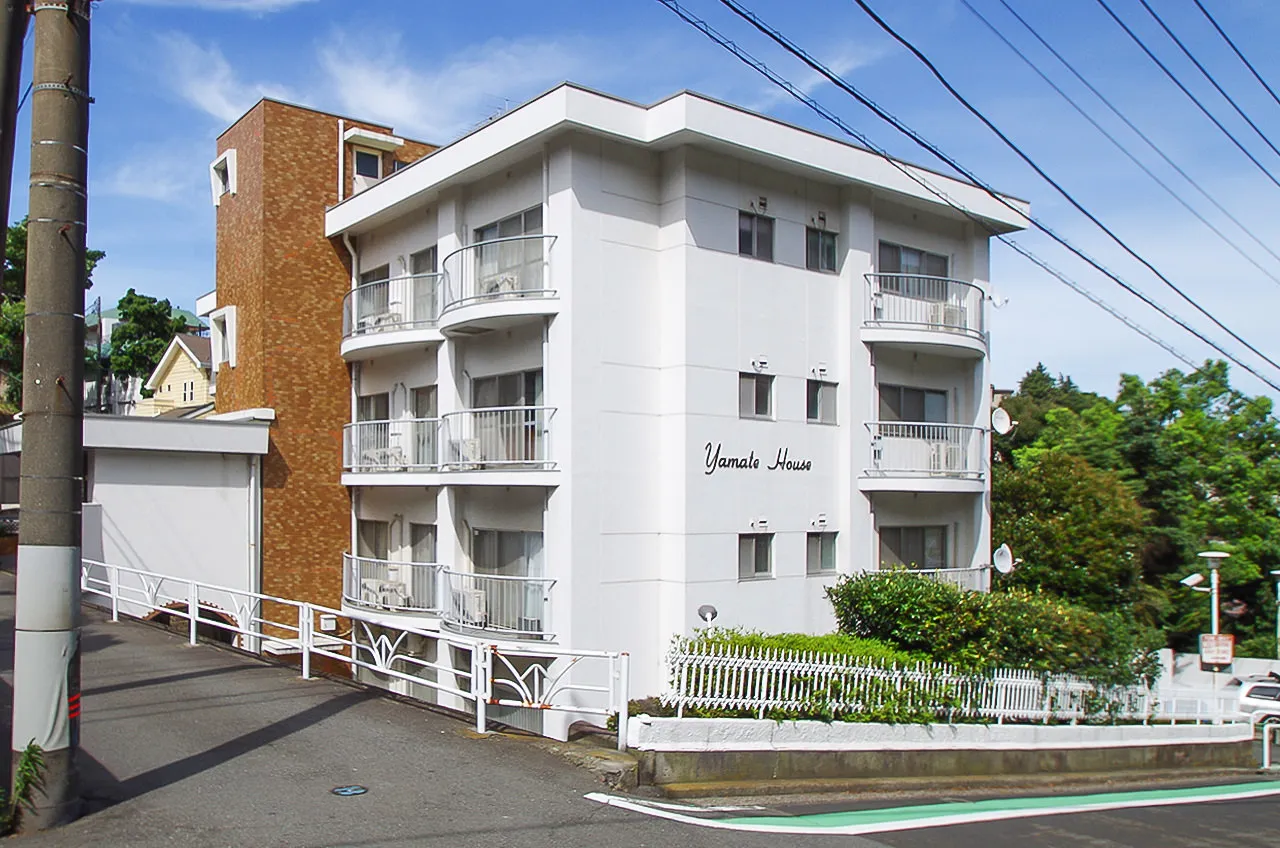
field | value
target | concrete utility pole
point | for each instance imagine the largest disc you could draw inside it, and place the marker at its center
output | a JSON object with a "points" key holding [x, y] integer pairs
{"points": [[46, 672], [14, 20]]}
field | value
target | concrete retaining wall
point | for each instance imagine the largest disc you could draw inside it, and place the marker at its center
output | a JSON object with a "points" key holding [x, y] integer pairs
{"points": [[717, 750]]}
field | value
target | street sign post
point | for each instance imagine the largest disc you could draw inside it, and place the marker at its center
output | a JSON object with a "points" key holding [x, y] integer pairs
{"points": [[1217, 650]]}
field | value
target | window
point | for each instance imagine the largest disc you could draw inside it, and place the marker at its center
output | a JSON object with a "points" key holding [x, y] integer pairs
{"points": [[373, 407], [755, 236], [896, 259], [508, 553], [510, 267], [819, 250], [377, 275], [755, 395], [755, 556], [903, 403], [424, 401], [523, 388], [821, 402], [222, 176], [913, 547], [397, 165], [423, 262], [371, 539], [422, 538], [222, 337], [368, 164], [188, 391], [820, 556], [1265, 693]]}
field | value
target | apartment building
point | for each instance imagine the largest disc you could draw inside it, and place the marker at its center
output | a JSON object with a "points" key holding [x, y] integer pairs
{"points": [[617, 370]]}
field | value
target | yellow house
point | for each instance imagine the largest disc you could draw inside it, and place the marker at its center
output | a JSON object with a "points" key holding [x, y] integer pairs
{"points": [[180, 381]]}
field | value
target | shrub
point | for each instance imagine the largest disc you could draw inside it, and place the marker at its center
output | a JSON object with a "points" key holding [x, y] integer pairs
{"points": [[977, 631], [830, 643]]}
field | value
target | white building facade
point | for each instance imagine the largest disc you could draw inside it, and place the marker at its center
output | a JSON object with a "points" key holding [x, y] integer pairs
{"points": [[615, 363]]}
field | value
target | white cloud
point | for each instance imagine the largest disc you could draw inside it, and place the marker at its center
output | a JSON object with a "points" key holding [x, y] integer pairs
{"points": [[165, 175], [204, 78], [255, 6], [376, 81]]}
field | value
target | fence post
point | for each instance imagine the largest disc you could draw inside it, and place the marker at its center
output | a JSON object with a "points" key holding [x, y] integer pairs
{"points": [[304, 638], [113, 585], [480, 685], [193, 609], [624, 697]]}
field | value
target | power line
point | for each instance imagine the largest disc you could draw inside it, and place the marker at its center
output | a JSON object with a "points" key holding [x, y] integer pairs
{"points": [[916, 177], [1208, 76], [977, 113], [1150, 143], [1120, 146], [1237, 51], [1186, 91]]}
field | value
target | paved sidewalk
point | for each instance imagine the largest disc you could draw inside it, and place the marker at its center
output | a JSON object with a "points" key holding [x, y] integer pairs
{"points": [[202, 746]]}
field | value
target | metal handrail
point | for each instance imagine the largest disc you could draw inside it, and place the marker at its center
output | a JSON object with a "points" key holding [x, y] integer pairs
{"points": [[412, 587], [924, 448], [497, 603], [404, 444], [923, 302], [513, 274], [397, 303], [497, 436]]}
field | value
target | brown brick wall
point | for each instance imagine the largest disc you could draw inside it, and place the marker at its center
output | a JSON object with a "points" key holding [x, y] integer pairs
{"points": [[288, 281]]}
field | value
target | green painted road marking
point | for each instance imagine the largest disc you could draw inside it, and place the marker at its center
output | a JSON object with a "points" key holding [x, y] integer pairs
{"points": [[856, 822]]}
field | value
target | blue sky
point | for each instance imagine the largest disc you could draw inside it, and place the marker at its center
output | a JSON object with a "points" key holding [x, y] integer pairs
{"points": [[169, 75]]}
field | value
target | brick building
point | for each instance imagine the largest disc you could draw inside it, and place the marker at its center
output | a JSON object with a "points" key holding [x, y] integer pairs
{"points": [[276, 320]]}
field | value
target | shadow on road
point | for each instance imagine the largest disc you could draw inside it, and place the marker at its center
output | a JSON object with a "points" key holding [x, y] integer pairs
{"points": [[166, 679]]}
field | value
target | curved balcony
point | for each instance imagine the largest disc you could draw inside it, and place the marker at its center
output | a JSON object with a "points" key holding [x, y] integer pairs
{"points": [[975, 579], [495, 284], [517, 607], [373, 447], [391, 314], [909, 456], [912, 311], [505, 437], [412, 588]]}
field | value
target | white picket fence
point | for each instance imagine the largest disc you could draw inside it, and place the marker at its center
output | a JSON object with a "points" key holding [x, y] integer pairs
{"points": [[727, 677]]}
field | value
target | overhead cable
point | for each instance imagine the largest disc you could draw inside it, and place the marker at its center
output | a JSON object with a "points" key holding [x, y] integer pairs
{"points": [[1238, 52], [916, 176], [1118, 144]]}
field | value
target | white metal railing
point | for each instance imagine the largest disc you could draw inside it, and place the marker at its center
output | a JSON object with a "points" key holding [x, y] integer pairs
{"points": [[916, 302], [399, 303], [501, 436], [389, 585], [498, 269], [978, 579], [922, 449], [718, 676], [405, 444], [594, 683], [519, 606]]}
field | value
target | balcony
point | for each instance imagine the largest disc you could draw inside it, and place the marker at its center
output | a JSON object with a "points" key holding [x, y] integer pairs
{"points": [[389, 446], [920, 457], [412, 588], [975, 579], [390, 314], [496, 284], [516, 607], [507, 437], [910, 311]]}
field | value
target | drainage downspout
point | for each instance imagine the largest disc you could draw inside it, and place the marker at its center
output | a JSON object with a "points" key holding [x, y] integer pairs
{"points": [[255, 551], [342, 158]]}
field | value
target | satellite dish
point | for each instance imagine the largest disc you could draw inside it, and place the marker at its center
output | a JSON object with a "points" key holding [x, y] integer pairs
{"points": [[1002, 559], [1001, 422]]}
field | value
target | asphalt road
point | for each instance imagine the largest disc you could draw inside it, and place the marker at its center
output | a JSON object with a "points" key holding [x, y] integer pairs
{"points": [[199, 746]]}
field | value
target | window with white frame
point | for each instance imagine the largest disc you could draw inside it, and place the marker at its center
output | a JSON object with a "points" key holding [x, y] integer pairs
{"points": [[222, 337], [820, 402], [907, 403], [820, 250], [222, 176], [368, 164], [422, 542], [914, 547], [510, 267], [755, 236], [376, 407], [755, 395], [755, 556], [372, 539], [820, 553], [911, 273]]}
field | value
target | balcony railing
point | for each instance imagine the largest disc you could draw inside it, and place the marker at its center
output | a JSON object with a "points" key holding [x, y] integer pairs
{"points": [[405, 445], [915, 302], [400, 303], [977, 579], [409, 587], [518, 606], [926, 450], [496, 437], [499, 269]]}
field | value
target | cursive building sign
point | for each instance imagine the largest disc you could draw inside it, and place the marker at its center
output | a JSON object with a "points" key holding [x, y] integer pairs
{"points": [[717, 459]]}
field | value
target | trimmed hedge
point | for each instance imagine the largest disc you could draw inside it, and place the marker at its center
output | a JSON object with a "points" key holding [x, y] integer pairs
{"points": [[872, 650]]}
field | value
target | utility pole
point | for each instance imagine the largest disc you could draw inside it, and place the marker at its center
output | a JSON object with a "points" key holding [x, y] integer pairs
{"points": [[14, 20], [46, 668]]}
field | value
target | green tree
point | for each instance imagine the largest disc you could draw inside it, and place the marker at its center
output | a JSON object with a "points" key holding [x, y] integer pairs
{"points": [[14, 286], [146, 327], [1079, 530], [1038, 394]]}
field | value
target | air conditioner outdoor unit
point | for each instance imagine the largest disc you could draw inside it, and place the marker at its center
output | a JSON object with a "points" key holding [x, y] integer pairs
{"points": [[473, 607], [946, 315], [946, 458]]}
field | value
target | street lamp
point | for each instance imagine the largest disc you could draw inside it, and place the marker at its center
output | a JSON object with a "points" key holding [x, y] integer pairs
{"points": [[1213, 559]]}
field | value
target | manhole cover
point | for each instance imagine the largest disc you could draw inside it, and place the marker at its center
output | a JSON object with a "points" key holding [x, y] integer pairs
{"points": [[348, 791]]}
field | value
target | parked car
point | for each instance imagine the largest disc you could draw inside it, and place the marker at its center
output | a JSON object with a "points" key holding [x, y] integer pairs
{"points": [[1260, 699]]}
